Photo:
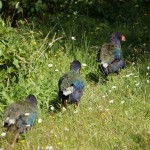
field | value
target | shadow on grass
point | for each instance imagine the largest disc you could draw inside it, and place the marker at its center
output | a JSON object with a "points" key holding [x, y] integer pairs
{"points": [[54, 105], [96, 78]]}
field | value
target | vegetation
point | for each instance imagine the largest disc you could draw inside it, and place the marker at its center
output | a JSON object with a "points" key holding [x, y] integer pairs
{"points": [[112, 115]]}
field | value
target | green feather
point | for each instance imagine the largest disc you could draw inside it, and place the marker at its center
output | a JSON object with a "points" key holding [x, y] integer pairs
{"points": [[67, 78], [107, 53]]}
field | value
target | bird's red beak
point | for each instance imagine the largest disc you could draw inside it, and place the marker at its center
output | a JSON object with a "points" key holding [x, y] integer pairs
{"points": [[123, 38]]}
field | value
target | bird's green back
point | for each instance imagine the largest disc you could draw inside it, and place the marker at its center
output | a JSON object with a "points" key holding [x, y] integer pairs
{"points": [[68, 78]]}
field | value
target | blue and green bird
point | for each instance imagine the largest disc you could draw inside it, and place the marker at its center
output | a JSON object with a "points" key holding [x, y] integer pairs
{"points": [[110, 56], [71, 85], [19, 117]]}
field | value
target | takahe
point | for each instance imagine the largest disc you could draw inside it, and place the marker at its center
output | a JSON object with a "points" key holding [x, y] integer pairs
{"points": [[71, 85], [110, 55], [20, 116]]}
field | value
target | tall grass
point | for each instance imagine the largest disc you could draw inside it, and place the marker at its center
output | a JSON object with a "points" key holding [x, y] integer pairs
{"points": [[113, 115]]}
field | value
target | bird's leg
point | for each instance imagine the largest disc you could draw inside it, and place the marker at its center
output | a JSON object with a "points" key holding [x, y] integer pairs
{"points": [[64, 102], [28, 128], [76, 104], [15, 139]]}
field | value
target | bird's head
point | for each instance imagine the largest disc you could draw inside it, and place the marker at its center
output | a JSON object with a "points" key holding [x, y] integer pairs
{"points": [[117, 36], [75, 66], [31, 99]]}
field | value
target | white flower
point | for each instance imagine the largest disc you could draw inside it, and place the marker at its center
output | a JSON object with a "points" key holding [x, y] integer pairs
{"points": [[50, 65], [49, 147], [84, 65], [137, 84], [52, 108], [3, 134], [147, 73], [103, 96], [144, 44], [148, 68], [66, 129], [106, 109], [122, 102], [39, 120], [148, 132], [148, 81], [111, 101], [64, 109], [114, 87], [56, 70], [73, 38], [109, 91], [136, 5], [127, 75]]}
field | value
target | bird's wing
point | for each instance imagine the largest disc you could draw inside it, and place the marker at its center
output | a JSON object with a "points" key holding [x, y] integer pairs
{"points": [[106, 54], [20, 111], [12, 113], [65, 81], [71, 81]]}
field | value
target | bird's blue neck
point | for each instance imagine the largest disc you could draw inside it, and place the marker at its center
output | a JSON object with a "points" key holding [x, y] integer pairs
{"points": [[116, 42]]}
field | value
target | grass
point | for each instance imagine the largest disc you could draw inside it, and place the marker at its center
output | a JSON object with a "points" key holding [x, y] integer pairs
{"points": [[113, 115]]}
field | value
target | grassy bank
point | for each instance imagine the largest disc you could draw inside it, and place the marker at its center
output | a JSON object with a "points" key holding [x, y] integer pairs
{"points": [[112, 115]]}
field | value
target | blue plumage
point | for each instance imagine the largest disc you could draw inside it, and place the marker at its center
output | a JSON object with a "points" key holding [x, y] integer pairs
{"points": [[71, 85], [117, 53], [20, 116], [116, 65], [110, 55]]}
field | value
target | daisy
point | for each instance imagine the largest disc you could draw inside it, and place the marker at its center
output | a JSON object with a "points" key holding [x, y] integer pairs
{"points": [[111, 101], [114, 87], [137, 84], [49, 147], [52, 108], [50, 65], [148, 68], [3, 134], [39, 120], [73, 38], [84, 65], [56, 70]]}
